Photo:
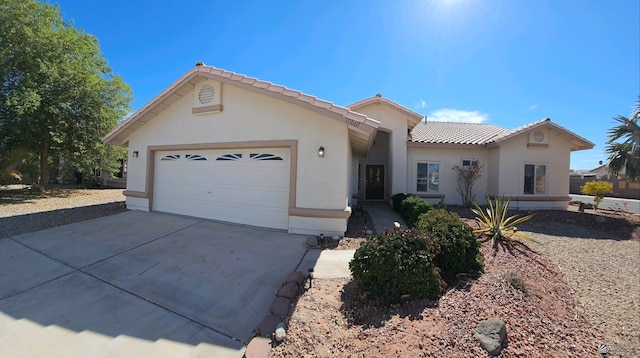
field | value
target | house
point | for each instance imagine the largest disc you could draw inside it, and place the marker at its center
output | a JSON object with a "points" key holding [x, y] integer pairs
{"points": [[224, 146], [602, 172]]}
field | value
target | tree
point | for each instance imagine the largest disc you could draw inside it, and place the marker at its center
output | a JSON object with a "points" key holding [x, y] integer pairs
{"points": [[58, 95], [466, 177], [625, 154]]}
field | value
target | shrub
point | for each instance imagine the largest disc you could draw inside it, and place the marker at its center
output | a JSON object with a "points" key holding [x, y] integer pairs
{"points": [[598, 189], [411, 208], [397, 263], [495, 223], [514, 280], [397, 201], [459, 248]]}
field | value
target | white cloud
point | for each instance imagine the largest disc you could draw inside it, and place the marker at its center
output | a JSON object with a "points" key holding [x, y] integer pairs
{"points": [[421, 104], [532, 107], [456, 115]]}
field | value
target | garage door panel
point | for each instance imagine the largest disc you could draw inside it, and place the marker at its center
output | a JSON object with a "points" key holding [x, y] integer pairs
{"points": [[242, 190]]}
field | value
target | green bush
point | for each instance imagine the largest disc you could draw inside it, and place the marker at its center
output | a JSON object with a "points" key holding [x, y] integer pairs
{"points": [[459, 248], [397, 263], [412, 207], [397, 201]]}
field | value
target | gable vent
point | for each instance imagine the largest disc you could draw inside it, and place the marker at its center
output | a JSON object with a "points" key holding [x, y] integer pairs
{"points": [[206, 94]]}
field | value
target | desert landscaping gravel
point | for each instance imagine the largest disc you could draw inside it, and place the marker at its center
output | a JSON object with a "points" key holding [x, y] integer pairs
{"points": [[582, 290], [23, 211]]}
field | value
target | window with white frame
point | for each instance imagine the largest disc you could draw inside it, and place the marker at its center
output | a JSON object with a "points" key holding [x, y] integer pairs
{"points": [[469, 162], [427, 177], [535, 179]]}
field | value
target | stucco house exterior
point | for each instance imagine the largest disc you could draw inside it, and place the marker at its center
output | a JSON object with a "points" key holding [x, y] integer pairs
{"points": [[224, 146]]}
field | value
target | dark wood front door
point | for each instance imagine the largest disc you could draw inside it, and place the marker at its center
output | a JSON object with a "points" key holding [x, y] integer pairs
{"points": [[374, 184]]}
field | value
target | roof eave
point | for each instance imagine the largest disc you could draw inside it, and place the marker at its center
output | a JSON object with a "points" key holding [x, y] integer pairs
{"points": [[413, 117], [353, 120]]}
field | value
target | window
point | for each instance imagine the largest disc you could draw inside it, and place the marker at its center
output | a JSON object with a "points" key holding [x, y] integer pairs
{"points": [[231, 157], [194, 157], [428, 177], [535, 179], [264, 156], [171, 157], [470, 163]]}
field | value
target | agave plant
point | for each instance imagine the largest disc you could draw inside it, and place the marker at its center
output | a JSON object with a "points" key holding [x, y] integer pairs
{"points": [[495, 223]]}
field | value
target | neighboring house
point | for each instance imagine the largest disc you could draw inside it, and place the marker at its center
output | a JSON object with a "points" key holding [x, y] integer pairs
{"points": [[582, 174], [602, 172], [223, 146]]}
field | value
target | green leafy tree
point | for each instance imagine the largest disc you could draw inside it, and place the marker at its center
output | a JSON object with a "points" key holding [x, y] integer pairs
{"points": [[598, 189], [625, 154], [58, 95]]}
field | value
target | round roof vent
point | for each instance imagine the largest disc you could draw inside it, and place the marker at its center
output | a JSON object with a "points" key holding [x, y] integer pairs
{"points": [[206, 94]]}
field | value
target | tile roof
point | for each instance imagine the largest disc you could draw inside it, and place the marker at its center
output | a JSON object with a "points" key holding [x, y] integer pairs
{"points": [[455, 133], [361, 127], [379, 99], [481, 134]]}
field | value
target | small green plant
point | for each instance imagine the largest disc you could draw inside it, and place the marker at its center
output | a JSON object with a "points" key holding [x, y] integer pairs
{"points": [[397, 264], [397, 201], [412, 207], [514, 280], [442, 205], [598, 189], [495, 223], [459, 248]]}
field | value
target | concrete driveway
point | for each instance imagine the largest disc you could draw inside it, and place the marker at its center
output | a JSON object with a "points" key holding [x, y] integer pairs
{"points": [[140, 283]]}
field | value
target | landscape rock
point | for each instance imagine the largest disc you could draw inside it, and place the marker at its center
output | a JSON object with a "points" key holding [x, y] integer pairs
{"points": [[295, 276], [259, 347], [491, 334], [289, 290], [280, 306], [312, 241], [268, 325], [280, 333]]}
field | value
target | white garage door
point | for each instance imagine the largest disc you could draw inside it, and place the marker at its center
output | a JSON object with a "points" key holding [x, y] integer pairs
{"points": [[246, 186]]}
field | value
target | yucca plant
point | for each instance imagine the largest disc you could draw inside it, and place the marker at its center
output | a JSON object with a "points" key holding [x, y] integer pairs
{"points": [[495, 223]]}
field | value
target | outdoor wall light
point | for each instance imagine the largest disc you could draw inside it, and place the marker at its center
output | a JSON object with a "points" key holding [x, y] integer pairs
{"points": [[321, 152], [135, 153]]}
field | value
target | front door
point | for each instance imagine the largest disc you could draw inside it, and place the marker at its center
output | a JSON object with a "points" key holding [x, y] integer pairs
{"points": [[374, 184]]}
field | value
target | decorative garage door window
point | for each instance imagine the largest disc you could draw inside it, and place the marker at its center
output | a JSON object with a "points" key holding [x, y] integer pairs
{"points": [[264, 156], [171, 157], [194, 157], [230, 157]]}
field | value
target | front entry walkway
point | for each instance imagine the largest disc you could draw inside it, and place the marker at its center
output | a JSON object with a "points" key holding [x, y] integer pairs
{"points": [[383, 215]]}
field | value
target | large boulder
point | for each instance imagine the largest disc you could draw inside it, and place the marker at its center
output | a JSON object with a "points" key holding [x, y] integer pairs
{"points": [[491, 334]]}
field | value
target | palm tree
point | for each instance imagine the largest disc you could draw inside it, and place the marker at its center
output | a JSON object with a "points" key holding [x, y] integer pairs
{"points": [[626, 154]]}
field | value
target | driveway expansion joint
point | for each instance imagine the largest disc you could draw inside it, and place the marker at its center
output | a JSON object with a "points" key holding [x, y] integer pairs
{"points": [[140, 245]]}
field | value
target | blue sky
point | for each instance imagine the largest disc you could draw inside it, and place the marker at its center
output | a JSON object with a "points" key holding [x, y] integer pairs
{"points": [[507, 63]]}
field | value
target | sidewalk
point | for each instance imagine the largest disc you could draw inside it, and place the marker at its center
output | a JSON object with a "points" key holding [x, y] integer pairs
{"points": [[383, 215], [335, 263]]}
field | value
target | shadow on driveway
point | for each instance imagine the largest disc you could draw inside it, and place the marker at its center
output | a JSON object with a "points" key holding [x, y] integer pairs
{"points": [[150, 276]]}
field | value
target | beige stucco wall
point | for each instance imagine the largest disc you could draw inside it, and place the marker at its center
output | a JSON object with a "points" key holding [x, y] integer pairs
{"points": [[493, 170], [448, 158], [514, 154], [395, 122], [322, 183]]}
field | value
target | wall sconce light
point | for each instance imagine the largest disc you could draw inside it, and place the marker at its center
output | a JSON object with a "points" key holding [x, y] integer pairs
{"points": [[135, 153], [321, 152]]}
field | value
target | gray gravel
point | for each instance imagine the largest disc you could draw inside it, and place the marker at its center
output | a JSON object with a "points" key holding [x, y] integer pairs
{"points": [[604, 272]]}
